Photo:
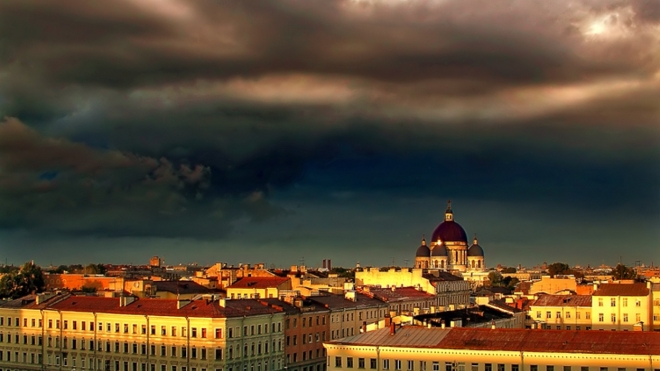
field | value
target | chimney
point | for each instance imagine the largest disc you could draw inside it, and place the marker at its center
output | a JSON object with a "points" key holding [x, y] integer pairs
{"points": [[442, 324], [364, 326], [388, 321], [329, 264], [392, 328], [324, 266]]}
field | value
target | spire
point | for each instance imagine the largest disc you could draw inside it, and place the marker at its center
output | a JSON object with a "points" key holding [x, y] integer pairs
{"points": [[449, 215], [475, 242], [423, 240]]}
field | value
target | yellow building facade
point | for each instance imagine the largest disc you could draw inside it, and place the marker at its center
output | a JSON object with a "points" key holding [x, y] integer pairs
{"points": [[412, 348], [124, 334]]}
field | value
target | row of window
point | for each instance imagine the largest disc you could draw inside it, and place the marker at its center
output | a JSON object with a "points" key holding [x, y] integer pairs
{"points": [[32, 358], [252, 349], [459, 366], [306, 339], [320, 353], [153, 330], [601, 317], [305, 321], [624, 302], [567, 315]]}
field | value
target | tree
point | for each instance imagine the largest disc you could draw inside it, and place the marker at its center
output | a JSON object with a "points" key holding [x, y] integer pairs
{"points": [[94, 269], [495, 278], [558, 268], [621, 272], [509, 270], [30, 279]]}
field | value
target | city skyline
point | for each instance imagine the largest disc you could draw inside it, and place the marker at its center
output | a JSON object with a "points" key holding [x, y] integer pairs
{"points": [[268, 132]]}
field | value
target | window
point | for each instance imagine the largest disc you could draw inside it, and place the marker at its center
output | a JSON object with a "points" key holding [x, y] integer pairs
{"points": [[613, 317], [386, 364], [548, 314], [338, 362], [587, 315], [349, 361], [204, 333], [515, 368], [411, 366], [538, 314], [488, 367], [624, 302], [193, 332], [568, 314], [397, 364], [218, 353], [612, 302], [373, 363], [533, 368], [218, 333], [558, 314], [601, 317], [549, 368], [625, 317], [173, 331], [360, 362]]}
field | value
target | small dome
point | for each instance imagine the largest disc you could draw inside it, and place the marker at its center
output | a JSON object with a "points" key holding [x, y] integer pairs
{"points": [[423, 251], [475, 249], [439, 250]]}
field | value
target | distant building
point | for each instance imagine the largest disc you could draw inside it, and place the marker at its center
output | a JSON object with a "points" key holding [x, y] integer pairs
{"points": [[259, 287], [449, 248], [621, 306], [562, 312]]}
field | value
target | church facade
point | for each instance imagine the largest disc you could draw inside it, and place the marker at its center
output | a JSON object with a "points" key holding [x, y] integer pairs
{"points": [[449, 249]]}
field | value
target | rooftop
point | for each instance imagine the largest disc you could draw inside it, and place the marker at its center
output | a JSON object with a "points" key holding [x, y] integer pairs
{"points": [[551, 341], [622, 289], [563, 301], [258, 282]]}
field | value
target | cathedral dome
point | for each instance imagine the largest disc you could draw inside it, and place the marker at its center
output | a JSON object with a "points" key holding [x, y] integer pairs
{"points": [[475, 249], [439, 250], [449, 230], [423, 250]]}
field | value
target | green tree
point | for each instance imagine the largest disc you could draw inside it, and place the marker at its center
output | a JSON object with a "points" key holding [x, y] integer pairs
{"points": [[495, 278], [621, 272], [558, 268], [94, 269], [509, 270], [30, 279]]}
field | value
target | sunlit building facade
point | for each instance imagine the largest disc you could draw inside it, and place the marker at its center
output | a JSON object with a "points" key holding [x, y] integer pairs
{"points": [[413, 348], [66, 332]]}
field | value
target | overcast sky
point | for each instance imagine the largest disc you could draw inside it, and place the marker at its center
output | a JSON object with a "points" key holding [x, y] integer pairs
{"points": [[289, 131]]}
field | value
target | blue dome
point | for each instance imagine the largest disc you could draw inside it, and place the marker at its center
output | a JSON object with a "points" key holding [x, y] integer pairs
{"points": [[439, 250]]}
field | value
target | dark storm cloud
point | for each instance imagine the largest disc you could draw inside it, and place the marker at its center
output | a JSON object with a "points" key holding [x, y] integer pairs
{"points": [[180, 118], [505, 43], [60, 186]]}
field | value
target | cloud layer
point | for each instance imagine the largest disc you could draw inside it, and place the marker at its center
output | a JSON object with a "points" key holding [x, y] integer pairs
{"points": [[170, 118]]}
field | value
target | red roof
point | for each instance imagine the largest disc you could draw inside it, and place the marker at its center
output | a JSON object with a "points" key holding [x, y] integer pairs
{"points": [[548, 341], [398, 293], [555, 341], [622, 289], [563, 301], [164, 307], [258, 282]]}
